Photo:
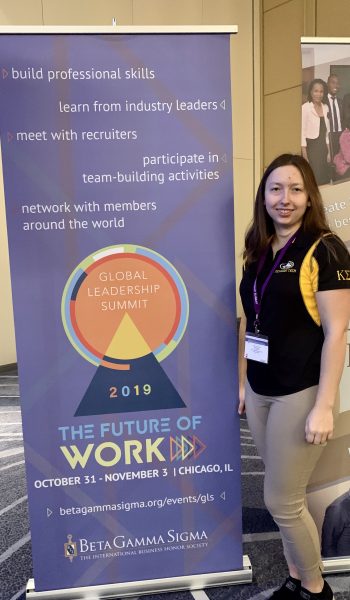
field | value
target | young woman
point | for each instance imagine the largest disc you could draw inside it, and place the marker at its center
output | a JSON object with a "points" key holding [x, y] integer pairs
{"points": [[315, 131], [295, 293]]}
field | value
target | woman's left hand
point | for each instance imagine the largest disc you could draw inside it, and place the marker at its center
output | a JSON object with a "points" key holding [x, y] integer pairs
{"points": [[319, 425]]}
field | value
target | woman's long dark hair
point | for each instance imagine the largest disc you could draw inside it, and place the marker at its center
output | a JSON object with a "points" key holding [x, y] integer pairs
{"points": [[261, 229]]}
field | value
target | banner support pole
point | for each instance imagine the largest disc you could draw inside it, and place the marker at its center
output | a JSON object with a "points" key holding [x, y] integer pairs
{"points": [[336, 565], [138, 588]]}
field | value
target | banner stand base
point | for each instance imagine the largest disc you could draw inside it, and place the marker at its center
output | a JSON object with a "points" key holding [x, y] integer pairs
{"points": [[340, 564], [150, 586]]}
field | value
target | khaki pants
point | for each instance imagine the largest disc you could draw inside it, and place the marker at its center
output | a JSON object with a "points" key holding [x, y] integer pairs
{"points": [[278, 428]]}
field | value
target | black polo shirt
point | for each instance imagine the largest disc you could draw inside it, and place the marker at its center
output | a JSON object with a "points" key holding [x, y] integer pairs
{"points": [[289, 316]]}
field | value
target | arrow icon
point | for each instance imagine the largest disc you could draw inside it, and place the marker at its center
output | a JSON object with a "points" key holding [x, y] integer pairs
{"points": [[223, 104], [4, 73], [223, 495], [9, 136], [48, 512], [224, 158], [184, 447]]}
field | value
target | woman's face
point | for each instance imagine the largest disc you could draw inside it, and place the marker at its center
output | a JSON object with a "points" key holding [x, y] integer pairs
{"points": [[286, 199], [316, 93]]}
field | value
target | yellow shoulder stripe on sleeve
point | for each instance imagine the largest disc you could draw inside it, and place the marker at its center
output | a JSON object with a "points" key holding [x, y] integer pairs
{"points": [[308, 282]]}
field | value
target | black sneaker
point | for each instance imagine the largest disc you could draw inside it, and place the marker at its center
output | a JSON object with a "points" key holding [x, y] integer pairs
{"points": [[290, 590], [326, 593]]}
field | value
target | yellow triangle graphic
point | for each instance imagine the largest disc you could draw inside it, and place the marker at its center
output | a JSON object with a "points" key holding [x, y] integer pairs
{"points": [[127, 342]]}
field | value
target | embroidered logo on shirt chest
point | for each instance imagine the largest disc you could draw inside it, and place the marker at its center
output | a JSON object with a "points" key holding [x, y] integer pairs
{"points": [[286, 267]]}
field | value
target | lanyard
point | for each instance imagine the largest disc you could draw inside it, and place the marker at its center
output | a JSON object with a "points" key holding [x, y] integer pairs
{"points": [[257, 301]]}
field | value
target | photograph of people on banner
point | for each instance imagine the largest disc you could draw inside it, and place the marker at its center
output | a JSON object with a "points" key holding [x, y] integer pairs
{"points": [[325, 143]]}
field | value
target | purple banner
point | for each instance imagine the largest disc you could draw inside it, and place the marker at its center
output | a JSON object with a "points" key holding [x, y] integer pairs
{"points": [[117, 160]]}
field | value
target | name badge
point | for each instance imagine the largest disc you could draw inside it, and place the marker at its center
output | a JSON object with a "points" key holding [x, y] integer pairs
{"points": [[256, 347]]}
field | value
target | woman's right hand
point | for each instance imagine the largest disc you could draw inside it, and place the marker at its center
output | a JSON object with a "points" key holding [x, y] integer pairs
{"points": [[241, 405], [242, 365]]}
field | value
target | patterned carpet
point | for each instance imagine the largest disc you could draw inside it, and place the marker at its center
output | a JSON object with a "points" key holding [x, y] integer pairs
{"points": [[261, 541]]}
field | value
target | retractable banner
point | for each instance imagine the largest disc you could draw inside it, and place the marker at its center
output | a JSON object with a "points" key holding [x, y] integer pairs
{"points": [[117, 161], [326, 73]]}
